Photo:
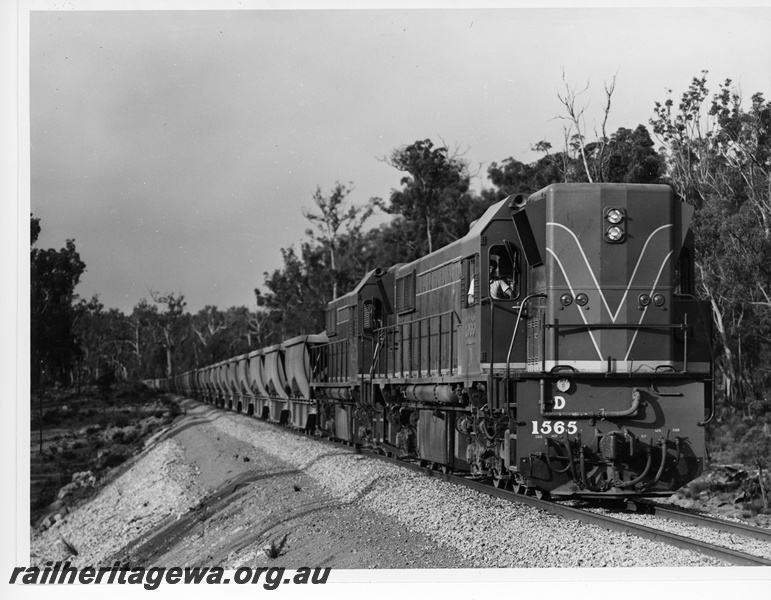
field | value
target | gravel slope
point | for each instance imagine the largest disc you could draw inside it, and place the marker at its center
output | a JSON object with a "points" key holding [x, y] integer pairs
{"points": [[219, 487]]}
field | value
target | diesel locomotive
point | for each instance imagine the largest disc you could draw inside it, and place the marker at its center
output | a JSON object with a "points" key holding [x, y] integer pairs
{"points": [[557, 349]]}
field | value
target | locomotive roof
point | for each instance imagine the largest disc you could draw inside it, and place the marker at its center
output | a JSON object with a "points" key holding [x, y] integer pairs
{"points": [[315, 338], [493, 211], [499, 210]]}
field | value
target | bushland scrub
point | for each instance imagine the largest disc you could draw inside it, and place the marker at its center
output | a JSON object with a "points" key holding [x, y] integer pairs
{"points": [[737, 474], [85, 433]]}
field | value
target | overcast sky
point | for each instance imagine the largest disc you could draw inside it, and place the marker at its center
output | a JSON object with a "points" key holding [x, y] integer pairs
{"points": [[178, 148]]}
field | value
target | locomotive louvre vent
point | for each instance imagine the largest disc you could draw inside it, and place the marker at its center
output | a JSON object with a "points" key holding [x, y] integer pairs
{"points": [[331, 322], [405, 293]]}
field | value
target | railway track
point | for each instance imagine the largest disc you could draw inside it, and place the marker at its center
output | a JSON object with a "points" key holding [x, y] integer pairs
{"points": [[759, 533], [607, 521], [603, 518]]}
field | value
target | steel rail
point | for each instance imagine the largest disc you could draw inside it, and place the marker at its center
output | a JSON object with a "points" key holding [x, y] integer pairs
{"points": [[575, 514], [606, 522], [759, 533]]}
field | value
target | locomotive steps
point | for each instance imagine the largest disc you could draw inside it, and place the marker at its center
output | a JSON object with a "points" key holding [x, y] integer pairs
{"points": [[219, 487]]}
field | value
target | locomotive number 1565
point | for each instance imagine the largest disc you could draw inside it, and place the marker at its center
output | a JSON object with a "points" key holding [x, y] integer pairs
{"points": [[558, 427]]}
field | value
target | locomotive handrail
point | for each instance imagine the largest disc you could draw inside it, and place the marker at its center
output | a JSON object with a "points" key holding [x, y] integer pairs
{"points": [[514, 337], [439, 315], [335, 359], [708, 420], [615, 326], [417, 324], [376, 353]]}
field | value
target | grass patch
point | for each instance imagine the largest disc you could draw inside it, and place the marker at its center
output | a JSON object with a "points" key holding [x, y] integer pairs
{"points": [[276, 548]]}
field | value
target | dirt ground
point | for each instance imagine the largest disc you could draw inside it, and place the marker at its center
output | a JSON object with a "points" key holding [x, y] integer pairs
{"points": [[197, 496], [217, 501]]}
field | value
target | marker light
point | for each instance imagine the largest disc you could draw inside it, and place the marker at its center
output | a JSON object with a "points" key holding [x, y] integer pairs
{"points": [[563, 385], [614, 233], [644, 299], [566, 299], [582, 299], [615, 216], [658, 300]]}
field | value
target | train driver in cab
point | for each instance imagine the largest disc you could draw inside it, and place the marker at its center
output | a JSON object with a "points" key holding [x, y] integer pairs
{"points": [[500, 289]]}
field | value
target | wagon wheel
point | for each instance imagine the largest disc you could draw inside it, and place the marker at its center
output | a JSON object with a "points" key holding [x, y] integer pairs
{"points": [[446, 469]]}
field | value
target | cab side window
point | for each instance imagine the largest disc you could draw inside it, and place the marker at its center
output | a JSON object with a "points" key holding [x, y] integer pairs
{"points": [[503, 269], [471, 280]]}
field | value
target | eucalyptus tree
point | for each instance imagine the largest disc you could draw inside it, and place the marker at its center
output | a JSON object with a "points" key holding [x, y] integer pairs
{"points": [[54, 274], [338, 221], [719, 160], [434, 196]]}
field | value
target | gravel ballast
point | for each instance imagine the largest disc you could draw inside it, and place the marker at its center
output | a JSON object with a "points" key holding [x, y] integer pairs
{"points": [[486, 531], [220, 487]]}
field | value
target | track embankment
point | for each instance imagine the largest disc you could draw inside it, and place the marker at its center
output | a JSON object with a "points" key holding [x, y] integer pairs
{"points": [[223, 489]]}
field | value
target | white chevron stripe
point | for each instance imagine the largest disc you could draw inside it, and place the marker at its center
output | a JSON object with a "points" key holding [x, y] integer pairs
{"points": [[573, 293], [613, 316], [653, 289]]}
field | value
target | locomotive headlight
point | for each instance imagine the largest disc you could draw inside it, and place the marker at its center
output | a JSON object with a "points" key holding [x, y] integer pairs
{"points": [[658, 300], [563, 385], [566, 299], [615, 216], [582, 299], [614, 233], [644, 299]]}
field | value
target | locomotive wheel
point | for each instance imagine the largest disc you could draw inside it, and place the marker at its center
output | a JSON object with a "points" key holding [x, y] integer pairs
{"points": [[502, 482], [501, 476], [518, 488]]}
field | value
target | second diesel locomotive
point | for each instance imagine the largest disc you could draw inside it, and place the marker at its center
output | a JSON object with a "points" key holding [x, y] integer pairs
{"points": [[589, 377]]}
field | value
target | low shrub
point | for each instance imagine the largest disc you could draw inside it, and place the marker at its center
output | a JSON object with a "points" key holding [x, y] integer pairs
{"points": [[115, 456], [53, 417], [69, 454], [754, 445]]}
